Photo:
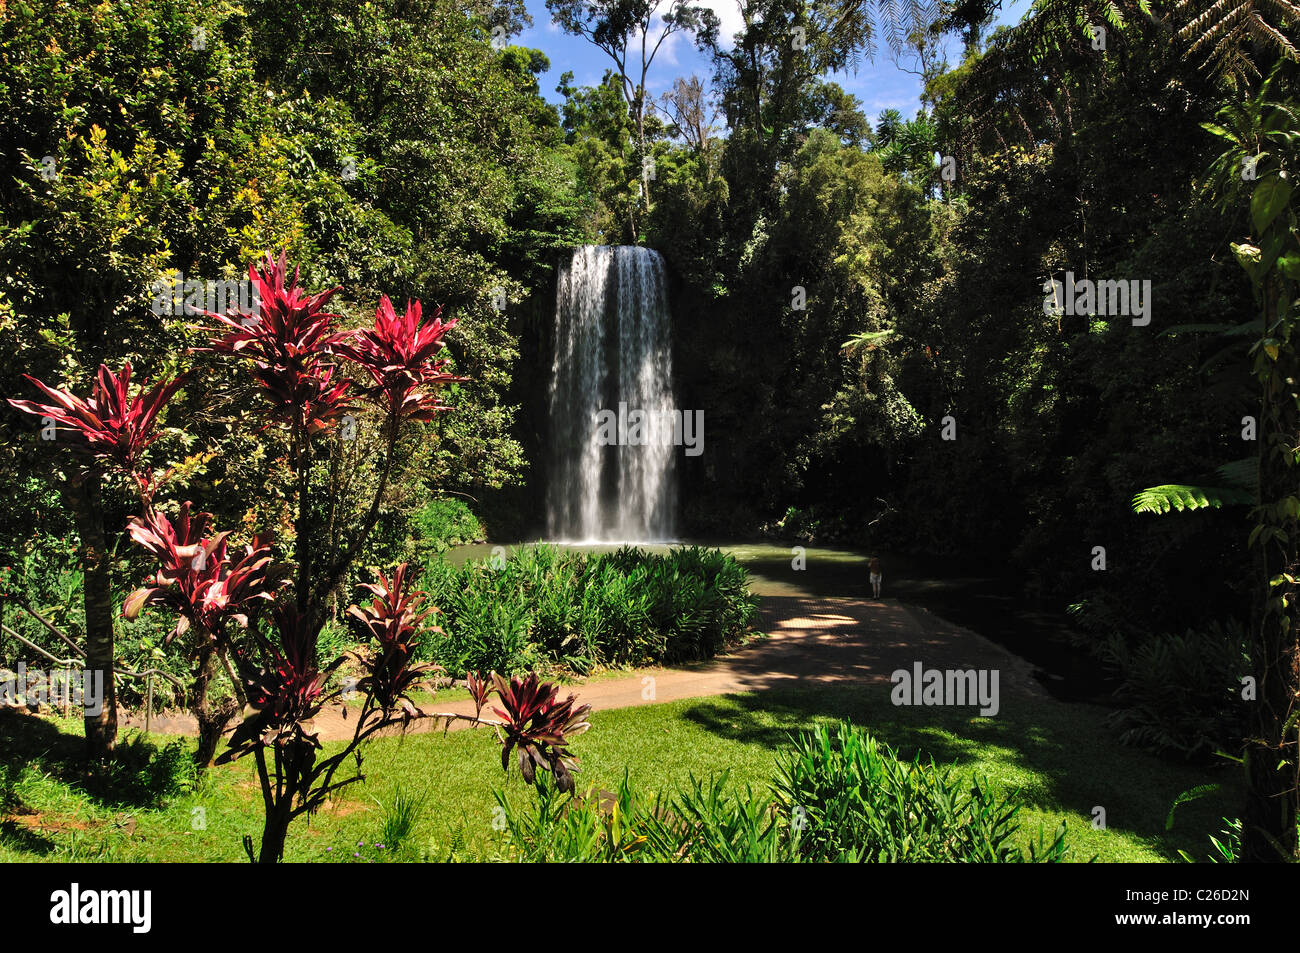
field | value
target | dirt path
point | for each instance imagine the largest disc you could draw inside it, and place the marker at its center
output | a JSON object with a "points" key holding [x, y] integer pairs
{"points": [[811, 641]]}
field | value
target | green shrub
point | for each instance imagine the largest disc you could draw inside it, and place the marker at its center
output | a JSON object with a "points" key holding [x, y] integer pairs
{"points": [[852, 798], [707, 822], [1181, 694], [837, 796], [441, 523], [483, 630], [549, 606]]}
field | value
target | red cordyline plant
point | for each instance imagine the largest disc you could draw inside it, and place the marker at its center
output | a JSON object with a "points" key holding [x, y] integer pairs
{"points": [[208, 587], [287, 691], [398, 353], [288, 340], [111, 424], [298, 359], [197, 576], [394, 624], [295, 347], [539, 726], [112, 428]]}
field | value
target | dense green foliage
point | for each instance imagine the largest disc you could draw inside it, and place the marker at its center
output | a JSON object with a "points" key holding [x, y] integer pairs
{"points": [[146, 139], [442, 523], [838, 796], [547, 606], [862, 310], [1057, 756], [1182, 694]]}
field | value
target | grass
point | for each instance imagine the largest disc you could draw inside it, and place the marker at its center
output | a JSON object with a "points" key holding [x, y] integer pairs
{"points": [[439, 787]]}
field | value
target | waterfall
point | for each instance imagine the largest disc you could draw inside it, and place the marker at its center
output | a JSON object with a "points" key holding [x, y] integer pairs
{"points": [[613, 355]]}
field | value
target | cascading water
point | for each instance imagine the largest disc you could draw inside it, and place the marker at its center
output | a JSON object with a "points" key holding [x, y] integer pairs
{"points": [[612, 355]]}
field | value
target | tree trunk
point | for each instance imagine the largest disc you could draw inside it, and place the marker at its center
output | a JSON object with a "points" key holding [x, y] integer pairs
{"points": [[274, 833], [84, 500], [212, 717], [1268, 829], [642, 155], [289, 770]]}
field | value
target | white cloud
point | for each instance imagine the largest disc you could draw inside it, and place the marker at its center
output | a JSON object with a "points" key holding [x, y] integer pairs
{"points": [[728, 13], [667, 55]]}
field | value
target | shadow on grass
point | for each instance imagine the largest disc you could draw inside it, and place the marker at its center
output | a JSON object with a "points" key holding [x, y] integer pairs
{"points": [[1059, 757], [23, 839], [141, 774]]}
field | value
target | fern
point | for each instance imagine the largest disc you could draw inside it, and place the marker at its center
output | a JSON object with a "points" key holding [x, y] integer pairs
{"points": [[869, 340], [1241, 486], [1176, 496], [1192, 794], [1227, 35]]}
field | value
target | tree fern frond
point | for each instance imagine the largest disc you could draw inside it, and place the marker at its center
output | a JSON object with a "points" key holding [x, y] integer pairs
{"points": [[1176, 496], [1266, 35], [1191, 794], [1217, 34], [1215, 9], [1113, 15], [870, 340], [1241, 474], [1226, 33]]}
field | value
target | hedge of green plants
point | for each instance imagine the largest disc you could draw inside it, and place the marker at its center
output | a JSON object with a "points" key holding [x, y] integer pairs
{"points": [[546, 606], [838, 795]]}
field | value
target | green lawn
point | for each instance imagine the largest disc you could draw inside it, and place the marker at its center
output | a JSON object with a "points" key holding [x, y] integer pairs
{"points": [[1062, 759]]}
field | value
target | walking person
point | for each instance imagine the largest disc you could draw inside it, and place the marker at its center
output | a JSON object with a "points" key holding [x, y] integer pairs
{"points": [[877, 576]]}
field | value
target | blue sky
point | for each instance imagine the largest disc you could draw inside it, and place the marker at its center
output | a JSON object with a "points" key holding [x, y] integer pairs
{"points": [[880, 84]]}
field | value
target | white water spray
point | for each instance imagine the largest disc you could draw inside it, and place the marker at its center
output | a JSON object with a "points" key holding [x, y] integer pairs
{"points": [[612, 346]]}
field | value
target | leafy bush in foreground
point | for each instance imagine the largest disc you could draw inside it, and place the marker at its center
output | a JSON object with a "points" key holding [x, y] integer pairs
{"points": [[839, 795], [544, 605], [856, 799]]}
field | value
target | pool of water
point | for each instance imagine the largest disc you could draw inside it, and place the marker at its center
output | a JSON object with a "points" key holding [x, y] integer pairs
{"points": [[969, 595]]}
